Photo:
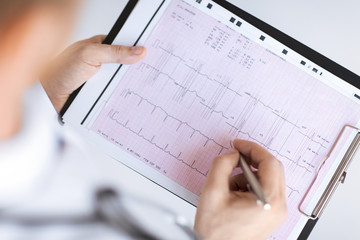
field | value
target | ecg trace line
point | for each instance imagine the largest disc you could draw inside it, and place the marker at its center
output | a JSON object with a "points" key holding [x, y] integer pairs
{"points": [[159, 147], [209, 139], [246, 93], [176, 83], [292, 190], [283, 118], [224, 116], [172, 155], [270, 149], [189, 90], [222, 113], [215, 111], [200, 73], [237, 93], [310, 138]]}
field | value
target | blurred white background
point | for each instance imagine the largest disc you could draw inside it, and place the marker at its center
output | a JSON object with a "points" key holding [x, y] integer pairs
{"points": [[329, 26]]}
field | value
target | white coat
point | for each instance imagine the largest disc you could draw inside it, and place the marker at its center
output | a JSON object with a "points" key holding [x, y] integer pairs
{"points": [[49, 189]]}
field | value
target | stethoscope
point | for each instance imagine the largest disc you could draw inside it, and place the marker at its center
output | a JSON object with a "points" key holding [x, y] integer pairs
{"points": [[112, 210], [136, 218]]}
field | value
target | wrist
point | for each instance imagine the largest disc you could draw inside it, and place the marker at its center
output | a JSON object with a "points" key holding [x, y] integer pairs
{"points": [[58, 100]]}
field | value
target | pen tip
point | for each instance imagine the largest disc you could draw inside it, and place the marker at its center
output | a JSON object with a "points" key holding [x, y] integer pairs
{"points": [[267, 207], [232, 143]]}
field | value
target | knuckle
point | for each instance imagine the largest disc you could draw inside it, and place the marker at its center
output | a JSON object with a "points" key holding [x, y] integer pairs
{"points": [[276, 163], [119, 50], [213, 191], [98, 38], [217, 161], [84, 49]]}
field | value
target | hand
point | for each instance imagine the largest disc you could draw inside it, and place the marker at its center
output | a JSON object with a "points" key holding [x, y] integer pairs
{"points": [[79, 63], [226, 211]]}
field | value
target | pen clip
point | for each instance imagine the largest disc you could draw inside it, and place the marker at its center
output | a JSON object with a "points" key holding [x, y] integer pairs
{"points": [[253, 185]]}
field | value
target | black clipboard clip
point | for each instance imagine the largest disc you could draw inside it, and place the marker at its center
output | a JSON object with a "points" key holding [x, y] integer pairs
{"points": [[338, 177]]}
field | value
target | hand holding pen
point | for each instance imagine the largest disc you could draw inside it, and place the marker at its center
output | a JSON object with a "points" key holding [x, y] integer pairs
{"points": [[228, 210], [253, 183]]}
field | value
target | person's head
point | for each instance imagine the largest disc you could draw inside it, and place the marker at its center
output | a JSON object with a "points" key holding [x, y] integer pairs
{"points": [[31, 31]]}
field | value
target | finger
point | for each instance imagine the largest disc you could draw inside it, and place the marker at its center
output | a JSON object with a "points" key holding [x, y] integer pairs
{"points": [[98, 54], [96, 39], [220, 172], [282, 182], [270, 173], [253, 152], [239, 183]]}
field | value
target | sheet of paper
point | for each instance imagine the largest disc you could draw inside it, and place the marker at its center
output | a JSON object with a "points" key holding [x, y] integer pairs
{"points": [[203, 84]]}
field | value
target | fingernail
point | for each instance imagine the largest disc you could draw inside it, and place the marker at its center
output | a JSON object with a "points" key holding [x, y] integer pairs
{"points": [[137, 50]]}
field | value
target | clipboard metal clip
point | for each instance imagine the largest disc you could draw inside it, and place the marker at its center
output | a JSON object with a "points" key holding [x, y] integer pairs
{"points": [[338, 177]]}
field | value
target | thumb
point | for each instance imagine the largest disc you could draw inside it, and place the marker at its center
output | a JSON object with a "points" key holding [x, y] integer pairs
{"points": [[98, 54]]}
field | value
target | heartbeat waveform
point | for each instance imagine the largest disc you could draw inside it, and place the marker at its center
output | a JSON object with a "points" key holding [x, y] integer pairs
{"points": [[191, 91], [292, 190], [176, 83], [202, 100], [310, 138], [200, 73], [209, 139], [112, 117], [270, 149], [169, 153], [238, 94], [215, 111]]}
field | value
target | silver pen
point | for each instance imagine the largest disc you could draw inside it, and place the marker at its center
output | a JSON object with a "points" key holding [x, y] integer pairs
{"points": [[253, 183]]}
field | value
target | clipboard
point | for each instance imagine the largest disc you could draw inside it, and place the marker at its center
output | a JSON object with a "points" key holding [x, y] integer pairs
{"points": [[310, 54], [338, 177]]}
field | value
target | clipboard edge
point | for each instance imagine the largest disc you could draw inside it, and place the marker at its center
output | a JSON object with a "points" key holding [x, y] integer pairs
{"points": [[338, 177], [120, 22]]}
